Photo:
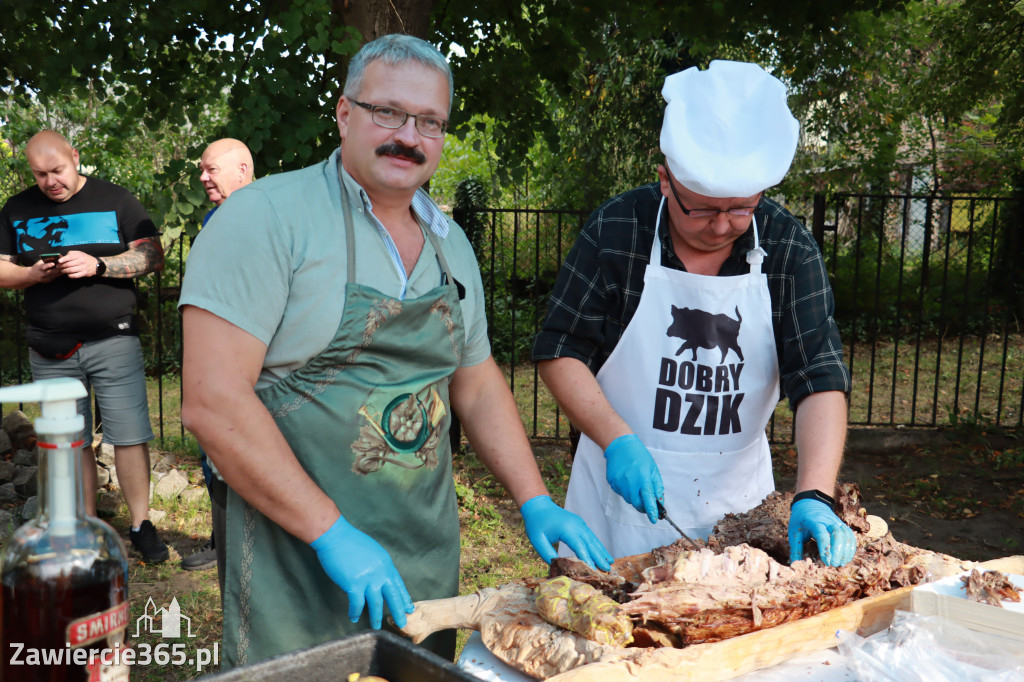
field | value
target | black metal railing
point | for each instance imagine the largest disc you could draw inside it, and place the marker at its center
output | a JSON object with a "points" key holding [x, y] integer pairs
{"points": [[927, 299]]}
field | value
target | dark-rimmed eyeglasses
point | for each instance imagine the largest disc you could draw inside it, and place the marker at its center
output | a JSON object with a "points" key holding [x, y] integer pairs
{"points": [[739, 211], [392, 117]]}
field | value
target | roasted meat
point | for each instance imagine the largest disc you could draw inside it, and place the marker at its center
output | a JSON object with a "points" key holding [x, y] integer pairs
{"points": [[740, 582], [990, 587], [680, 600]]}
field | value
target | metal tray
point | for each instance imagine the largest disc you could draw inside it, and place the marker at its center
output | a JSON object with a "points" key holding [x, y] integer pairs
{"points": [[394, 658]]}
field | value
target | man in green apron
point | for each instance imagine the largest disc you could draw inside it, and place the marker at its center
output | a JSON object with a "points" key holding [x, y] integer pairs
{"points": [[333, 320]]}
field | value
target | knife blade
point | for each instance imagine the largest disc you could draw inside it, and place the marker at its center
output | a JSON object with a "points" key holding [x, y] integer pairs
{"points": [[662, 514]]}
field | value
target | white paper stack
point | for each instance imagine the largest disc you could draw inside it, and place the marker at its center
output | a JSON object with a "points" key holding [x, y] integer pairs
{"points": [[947, 598]]}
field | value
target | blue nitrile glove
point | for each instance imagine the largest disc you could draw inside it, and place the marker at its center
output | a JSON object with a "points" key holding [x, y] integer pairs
{"points": [[813, 518], [547, 523], [364, 569], [633, 474]]}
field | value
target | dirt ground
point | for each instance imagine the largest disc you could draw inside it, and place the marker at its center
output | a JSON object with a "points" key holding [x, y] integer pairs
{"points": [[965, 499]]}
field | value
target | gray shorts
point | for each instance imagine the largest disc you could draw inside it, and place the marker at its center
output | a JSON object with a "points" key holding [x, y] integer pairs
{"points": [[114, 371]]}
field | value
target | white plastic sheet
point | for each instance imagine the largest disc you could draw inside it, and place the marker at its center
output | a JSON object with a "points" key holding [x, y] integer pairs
{"points": [[919, 648]]}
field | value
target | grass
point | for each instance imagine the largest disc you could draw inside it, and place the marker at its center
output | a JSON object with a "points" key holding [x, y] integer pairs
{"points": [[939, 380], [494, 546]]}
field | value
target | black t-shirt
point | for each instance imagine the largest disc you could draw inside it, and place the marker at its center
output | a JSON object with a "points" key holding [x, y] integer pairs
{"points": [[101, 219]]}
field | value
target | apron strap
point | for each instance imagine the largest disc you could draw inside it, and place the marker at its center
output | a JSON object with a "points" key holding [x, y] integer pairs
{"points": [[756, 255], [350, 243], [655, 258]]}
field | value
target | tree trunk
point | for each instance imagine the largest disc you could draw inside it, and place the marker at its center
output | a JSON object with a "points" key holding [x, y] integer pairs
{"points": [[374, 18]]}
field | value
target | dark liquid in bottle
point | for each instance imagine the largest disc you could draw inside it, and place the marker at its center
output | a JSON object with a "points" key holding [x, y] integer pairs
{"points": [[36, 614]]}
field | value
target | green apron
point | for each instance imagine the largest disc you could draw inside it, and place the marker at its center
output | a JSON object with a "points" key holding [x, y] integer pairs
{"points": [[368, 419]]}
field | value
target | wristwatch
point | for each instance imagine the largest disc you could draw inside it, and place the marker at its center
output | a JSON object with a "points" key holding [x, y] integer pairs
{"points": [[101, 267]]}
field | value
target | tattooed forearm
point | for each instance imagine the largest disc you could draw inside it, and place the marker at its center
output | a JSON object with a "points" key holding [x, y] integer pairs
{"points": [[143, 256]]}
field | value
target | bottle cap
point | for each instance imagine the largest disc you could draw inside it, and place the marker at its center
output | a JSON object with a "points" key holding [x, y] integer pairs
{"points": [[58, 399]]}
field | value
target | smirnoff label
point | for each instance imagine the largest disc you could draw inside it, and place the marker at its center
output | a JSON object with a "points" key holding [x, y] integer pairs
{"points": [[84, 631]]}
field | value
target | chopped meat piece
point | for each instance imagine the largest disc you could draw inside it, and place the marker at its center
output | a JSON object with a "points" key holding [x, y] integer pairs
{"points": [[849, 509], [617, 583], [581, 608], [765, 527], [990, 587]]}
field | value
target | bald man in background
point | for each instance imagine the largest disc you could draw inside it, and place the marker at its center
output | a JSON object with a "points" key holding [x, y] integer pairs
{"points": [[75, 244], [226, 165]]}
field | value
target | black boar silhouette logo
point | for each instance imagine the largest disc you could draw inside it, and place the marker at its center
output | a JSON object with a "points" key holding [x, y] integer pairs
{"points": [[700, 329]]}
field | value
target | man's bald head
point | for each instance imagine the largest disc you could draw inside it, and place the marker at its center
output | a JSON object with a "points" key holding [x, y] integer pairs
{"points": [[54, 164], [225, 166]]}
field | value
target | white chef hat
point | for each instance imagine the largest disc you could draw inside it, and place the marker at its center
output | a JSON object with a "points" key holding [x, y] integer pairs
{"points": [[728, 131]]}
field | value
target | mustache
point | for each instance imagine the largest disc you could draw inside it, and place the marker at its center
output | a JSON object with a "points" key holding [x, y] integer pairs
{"points": [[401, 151]]}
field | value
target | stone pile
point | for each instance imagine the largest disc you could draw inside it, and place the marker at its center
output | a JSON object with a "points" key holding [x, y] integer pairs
{"points": [[19, 476]]}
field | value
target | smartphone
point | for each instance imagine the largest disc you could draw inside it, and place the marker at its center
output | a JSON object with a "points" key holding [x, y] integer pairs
{"points": [[49, 257]]}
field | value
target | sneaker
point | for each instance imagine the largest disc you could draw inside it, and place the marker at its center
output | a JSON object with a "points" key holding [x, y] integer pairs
{"points": [[146, 541], [202, 560]]}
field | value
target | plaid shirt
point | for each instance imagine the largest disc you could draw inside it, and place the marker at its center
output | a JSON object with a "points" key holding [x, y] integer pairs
{"points": [[598, 290]]}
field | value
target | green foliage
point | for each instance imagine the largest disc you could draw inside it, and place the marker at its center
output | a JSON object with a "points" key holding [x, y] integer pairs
{"points": [[982, 66], [470, 198], [556, 57], [904, 108], [512, 324], [520, 253], [584, 77], [166, 67], [468, 155], [609, 127]]}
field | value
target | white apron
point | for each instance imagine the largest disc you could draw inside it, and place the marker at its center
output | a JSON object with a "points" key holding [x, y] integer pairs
{"points": [[696, 376]]}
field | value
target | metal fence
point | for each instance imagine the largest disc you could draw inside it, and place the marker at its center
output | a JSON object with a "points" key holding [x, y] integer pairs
{"points": [[927, 293], [928, 298]]}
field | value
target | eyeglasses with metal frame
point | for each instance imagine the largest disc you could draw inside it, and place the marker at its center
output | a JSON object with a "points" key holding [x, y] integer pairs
{"points": [[739, 211], [392, 117]]}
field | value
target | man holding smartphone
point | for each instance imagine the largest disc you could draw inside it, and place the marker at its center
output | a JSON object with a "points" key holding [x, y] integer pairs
{"points": [[74, 244]]}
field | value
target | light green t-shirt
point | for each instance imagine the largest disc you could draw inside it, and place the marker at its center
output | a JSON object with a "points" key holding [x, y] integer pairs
{"points": [[272, 261]]}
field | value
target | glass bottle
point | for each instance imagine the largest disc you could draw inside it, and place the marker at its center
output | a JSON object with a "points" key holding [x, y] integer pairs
{"points": [[64, 574]]}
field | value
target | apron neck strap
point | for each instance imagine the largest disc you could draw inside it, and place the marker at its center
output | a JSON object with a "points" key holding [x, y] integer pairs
{"points": [[655, 258], [756, 255], [350, 242]]}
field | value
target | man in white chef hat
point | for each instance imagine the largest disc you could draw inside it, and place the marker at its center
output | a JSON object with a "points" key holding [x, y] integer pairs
{"points": [[682, 310]]}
